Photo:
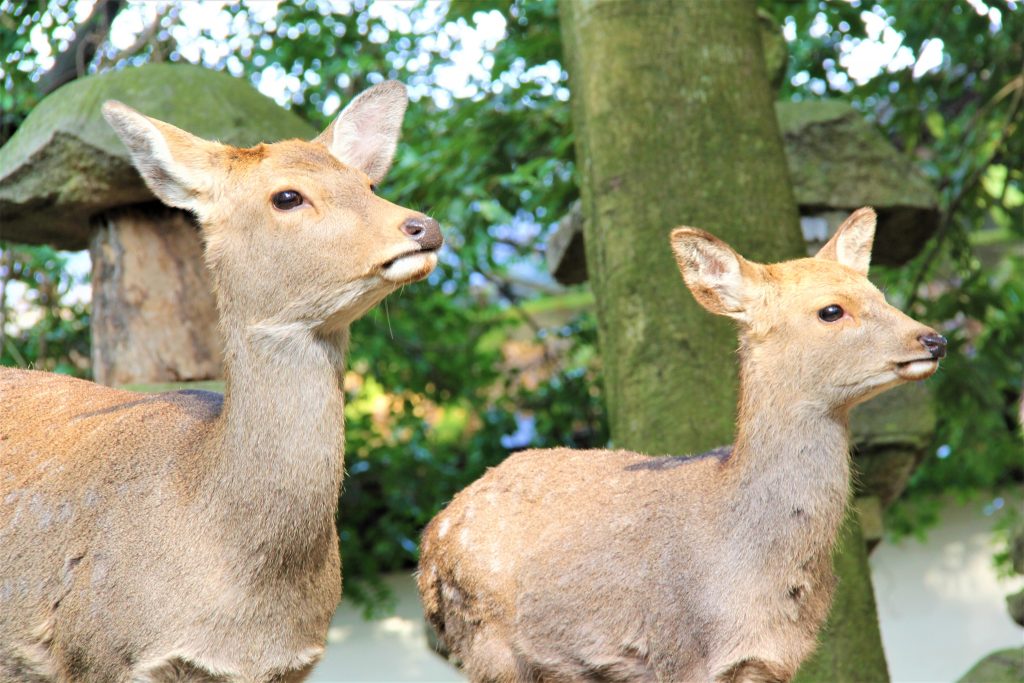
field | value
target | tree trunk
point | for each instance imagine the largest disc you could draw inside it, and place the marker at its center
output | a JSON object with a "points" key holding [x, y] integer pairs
{"points": [[153, 313], [674, 125], [850, 646]]}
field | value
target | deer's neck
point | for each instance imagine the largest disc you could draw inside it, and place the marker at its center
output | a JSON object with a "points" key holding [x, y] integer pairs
{"points": [[790, 464], [279, 458]]}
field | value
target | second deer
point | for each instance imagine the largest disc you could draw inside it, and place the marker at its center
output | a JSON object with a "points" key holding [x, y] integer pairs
{"points": [[565, 565]]}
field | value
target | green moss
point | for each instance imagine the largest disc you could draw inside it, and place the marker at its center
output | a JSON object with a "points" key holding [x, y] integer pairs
{"points": [[65, 163], [1002, 666], [851, 643], [669, 137]]}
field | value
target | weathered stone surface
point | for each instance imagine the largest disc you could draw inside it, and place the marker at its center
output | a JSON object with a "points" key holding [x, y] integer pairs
{"points": [[838, 161], [1017, 551], [153, 314], [1015, 606], [65, 164], [869, 512], [566, 258], [890, 434], [1002, 666]]}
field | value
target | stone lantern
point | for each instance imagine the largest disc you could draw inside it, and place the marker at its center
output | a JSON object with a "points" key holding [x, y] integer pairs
{"points": [[66, 180]]}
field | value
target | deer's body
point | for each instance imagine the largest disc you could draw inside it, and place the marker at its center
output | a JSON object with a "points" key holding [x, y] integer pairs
{"points": [[187, 536], [565, 565]]}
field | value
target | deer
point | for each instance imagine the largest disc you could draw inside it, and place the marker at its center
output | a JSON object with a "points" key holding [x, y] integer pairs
{"points": [[189, 535], [611, 565]]}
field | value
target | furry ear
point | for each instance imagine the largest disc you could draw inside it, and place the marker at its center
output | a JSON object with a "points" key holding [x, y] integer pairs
{"points": [[851, 245], [719, 278], [366, 132], [175, 165]]}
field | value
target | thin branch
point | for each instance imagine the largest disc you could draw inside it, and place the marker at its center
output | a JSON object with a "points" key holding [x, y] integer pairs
{"points": [[71, 63], [505, 290], [148, 37]]}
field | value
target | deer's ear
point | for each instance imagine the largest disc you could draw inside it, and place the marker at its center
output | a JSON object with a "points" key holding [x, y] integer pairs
{"points": [[851, 245], [366, 132], [720, 279], [177, 166]]}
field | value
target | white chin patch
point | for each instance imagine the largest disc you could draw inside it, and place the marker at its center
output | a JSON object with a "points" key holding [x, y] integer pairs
{"points": [[918, 369], [410, 267]]}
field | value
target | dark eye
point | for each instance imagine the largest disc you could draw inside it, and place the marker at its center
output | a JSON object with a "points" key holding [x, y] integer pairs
{"points": [[831, 313], [373, 188], [286, 200]]}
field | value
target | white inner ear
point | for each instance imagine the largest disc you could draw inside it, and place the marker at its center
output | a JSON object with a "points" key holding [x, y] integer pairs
{"points": [[854, 248], [366, 133], [164, 172], [851, 245], [366, 148], [714, 274], [170, 181], [723, 276]]}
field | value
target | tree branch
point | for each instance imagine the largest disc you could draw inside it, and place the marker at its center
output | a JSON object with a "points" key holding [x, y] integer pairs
{"points": [[72, 62]]}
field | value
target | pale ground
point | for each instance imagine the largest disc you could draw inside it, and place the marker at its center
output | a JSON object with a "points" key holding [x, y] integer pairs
{"points": [[940, 605]]}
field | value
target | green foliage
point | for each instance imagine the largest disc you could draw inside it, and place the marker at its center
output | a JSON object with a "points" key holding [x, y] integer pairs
{"points": [[46, 329], [19, 95]]}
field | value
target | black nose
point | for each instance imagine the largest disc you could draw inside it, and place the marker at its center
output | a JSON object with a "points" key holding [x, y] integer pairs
{"points": [[424, 230], [935, 343]]}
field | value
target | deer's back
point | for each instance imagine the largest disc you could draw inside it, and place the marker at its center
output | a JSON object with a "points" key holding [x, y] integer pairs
{"points": [[97, 473], [560, 553], [62, 435]]}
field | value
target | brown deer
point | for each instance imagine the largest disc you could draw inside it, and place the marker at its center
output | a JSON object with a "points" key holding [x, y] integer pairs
{"points": [[563, 565], [187, 536]]}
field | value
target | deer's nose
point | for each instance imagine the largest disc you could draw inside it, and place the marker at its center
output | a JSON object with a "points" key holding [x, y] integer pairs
{"points": [[935, 343], [424, 230]]}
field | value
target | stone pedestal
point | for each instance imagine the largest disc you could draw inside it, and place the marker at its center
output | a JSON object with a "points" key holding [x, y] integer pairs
{"points": [[153, 313]]}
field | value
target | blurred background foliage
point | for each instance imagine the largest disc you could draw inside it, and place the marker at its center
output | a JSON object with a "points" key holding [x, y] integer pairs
{"points": [[490, 355]]}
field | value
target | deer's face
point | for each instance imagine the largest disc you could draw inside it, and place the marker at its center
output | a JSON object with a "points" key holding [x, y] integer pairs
{"points": [[334, 247], [825, 327], [816, 327]]}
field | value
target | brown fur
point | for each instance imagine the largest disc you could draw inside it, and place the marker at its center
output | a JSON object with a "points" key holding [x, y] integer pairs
{"points": [[188, 536], [565, 565]]}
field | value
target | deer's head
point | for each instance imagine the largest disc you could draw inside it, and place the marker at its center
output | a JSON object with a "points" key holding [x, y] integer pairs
{"points": [[295, 233], [813, 326]]}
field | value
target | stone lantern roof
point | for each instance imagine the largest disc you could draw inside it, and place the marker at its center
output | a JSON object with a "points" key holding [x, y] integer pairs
{"points": [[838, 162], [64, 165]]}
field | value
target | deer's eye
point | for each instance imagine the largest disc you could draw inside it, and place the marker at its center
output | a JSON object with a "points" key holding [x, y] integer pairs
{"points": [[373, 188], [286, 200], [831, 313]]}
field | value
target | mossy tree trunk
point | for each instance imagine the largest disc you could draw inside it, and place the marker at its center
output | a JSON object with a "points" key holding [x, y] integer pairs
{"points": [[674, 125]]}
